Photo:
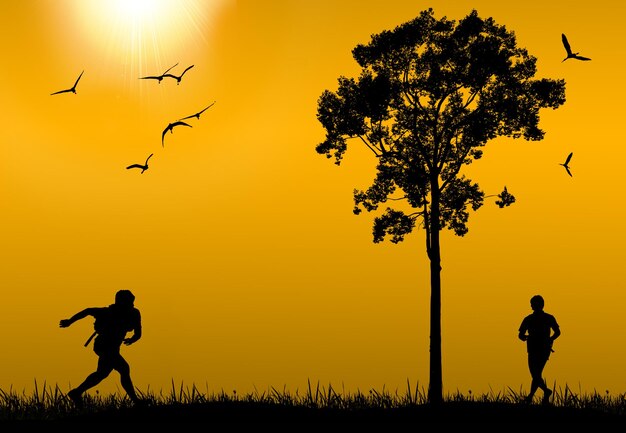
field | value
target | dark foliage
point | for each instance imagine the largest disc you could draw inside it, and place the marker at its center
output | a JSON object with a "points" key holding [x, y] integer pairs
{"points": [[430, 95], [318, 405], [237, 413]]}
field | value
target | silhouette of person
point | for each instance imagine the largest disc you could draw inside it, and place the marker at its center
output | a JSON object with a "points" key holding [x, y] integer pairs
{"points": [[111, 325], [539, 330]]}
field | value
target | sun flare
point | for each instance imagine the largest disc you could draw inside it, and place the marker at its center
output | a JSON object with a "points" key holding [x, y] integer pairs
{"points": [[146, 34], [138, 9]]}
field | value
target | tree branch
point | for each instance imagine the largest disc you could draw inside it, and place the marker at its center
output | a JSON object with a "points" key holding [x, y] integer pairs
{"points": [[370, 146], [471, 98], [457, 169]]}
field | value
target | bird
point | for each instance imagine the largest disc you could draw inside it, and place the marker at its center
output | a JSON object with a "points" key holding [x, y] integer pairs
{"points": [[570, 54], [170, 128], [566, 163], [179, 77], [197, 115], [157, 77], [143, 167], [72, 89]]}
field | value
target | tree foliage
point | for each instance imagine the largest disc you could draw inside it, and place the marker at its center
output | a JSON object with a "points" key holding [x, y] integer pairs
{"points": [[430, 95]]}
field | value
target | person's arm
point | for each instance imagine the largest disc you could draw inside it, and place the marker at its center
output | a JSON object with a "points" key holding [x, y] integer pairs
{"points": [[136, 331], [522, 331], [64, 323], [556, 331]]}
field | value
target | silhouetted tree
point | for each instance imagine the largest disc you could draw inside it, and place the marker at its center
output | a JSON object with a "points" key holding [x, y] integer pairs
{"points": [[430, 94]]}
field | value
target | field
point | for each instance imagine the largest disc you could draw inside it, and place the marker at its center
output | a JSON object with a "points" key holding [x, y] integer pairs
{"points": [[318, 405]]}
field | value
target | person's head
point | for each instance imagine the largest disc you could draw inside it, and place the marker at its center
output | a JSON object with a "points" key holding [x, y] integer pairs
{"points": [[536, 303], [124, 298]]}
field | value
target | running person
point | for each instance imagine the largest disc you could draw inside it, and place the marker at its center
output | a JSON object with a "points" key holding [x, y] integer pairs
{"points": [[112, 324], [538, 330]]}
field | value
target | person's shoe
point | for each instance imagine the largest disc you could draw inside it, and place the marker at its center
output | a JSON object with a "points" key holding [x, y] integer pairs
{"points": [[76, 398], [546, 396]]}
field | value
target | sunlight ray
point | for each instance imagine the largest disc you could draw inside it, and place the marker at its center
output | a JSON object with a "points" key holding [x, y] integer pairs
{"points": [[146, 34]]}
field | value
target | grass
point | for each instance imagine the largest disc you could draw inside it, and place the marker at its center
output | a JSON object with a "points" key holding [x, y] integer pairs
{"points": [[317, 404]]}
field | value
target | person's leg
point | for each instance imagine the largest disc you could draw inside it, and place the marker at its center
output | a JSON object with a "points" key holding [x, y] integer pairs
{"points": [[546, 395], [535, 368], [102, 371], [547, 392], [123, 369]]}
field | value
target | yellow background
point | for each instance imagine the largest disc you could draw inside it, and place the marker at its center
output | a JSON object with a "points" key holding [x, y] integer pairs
{"points": [[239, 242]]}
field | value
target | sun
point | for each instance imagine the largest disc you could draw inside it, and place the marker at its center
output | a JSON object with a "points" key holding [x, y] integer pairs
{"points": [[145, 34], [137, 9], [142, 11]]}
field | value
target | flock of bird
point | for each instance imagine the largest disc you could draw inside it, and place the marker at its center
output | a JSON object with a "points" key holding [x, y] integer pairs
{"points": [[170, 127], [159, 78], [570, 55], [180, 122]]}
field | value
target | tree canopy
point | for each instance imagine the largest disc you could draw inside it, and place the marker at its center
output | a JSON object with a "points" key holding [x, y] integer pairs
{"points": [[431, 94]]}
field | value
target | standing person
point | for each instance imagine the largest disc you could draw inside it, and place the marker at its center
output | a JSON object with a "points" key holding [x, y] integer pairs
{"points": [[111, 325], [539, 330]]}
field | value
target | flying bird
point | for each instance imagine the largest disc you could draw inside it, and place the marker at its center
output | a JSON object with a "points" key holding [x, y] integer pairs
{"points": [[156, 77], [143, 167], [179, 77], [570, 54], [197, 115], [72, 89], [566, 163], [170, 128]]}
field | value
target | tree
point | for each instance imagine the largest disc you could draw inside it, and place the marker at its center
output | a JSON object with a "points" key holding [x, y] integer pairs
{"points": [[431, 93]]}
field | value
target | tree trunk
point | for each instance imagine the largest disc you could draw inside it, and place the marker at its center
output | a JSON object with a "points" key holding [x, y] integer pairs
{"points": [[435, 388]]}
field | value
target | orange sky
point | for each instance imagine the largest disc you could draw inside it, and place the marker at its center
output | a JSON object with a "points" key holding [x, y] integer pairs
{"points": [[239, 242]]}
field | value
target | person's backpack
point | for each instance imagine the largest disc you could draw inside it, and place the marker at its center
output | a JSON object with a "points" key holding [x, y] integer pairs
{"points": [[103, 323]]}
